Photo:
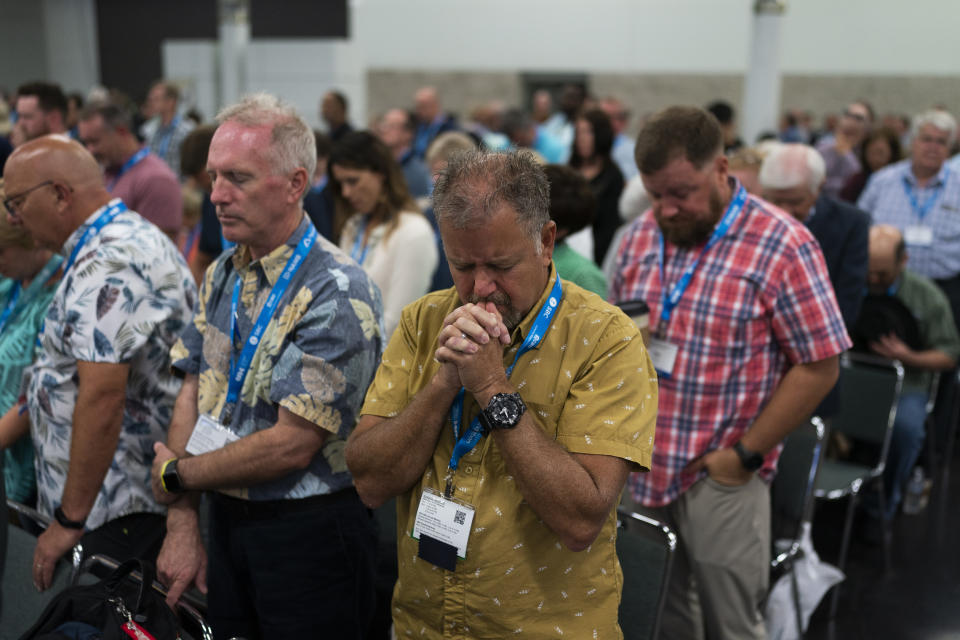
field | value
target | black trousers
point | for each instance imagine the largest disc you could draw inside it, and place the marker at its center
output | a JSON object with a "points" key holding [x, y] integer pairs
{"points": [[291, 568]]}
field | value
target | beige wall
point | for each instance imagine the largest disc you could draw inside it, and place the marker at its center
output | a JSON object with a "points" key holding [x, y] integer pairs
{"points": [[645, 93]]}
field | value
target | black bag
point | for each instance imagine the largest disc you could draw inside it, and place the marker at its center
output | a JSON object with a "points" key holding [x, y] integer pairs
{"points": [[119, 605]]}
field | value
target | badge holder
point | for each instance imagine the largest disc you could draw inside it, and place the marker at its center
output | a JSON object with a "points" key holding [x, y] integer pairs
{"points": [[442, 527], [209, 435]]}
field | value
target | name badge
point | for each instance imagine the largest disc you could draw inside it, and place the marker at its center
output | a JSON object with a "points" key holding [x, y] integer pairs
{"points": [[663, 354], [445, 521], [209, 435], [919, 235]]}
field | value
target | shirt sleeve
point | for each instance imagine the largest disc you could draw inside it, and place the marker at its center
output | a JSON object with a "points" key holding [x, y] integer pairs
{"points": [[389, 394], [806, 319], [329, 360], [185, 355], [163, 204], [611, 409], [941, 329]]}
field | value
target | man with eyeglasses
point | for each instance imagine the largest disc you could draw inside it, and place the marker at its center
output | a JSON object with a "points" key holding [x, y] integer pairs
{"points": [[100, 391], [840, 151]]}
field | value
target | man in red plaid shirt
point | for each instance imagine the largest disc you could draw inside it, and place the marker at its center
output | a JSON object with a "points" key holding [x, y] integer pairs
{"points": [[745, 336]]}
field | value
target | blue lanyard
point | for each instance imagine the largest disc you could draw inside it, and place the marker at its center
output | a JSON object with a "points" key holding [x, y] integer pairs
{"points": [[924, 209], [240, 367], [473, 435], [14, 297], [672, 298], [105, 218], [165, 141], [359, 253], [129, 164], [38, 281]]}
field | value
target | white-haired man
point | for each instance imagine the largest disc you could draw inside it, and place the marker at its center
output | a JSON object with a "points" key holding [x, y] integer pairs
{"points": [[792, 177], [920, 196], [270, 393]]}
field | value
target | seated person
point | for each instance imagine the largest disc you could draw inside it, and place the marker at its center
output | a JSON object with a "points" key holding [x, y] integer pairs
{"points": [[573, 207], [939, 352]]}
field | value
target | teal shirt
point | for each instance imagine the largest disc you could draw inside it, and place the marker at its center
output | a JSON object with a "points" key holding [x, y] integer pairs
{"points": [[930, 307], [579, 270], [17, 343]]}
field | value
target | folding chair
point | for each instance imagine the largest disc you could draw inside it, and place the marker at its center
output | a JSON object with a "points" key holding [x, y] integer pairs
{"points": [[22, 604], [869, 393], [791, 497], [645, 548]]}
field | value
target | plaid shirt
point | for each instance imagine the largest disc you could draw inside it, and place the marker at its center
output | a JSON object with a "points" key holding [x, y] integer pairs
{"points": [[886, 199], [759, 302]]}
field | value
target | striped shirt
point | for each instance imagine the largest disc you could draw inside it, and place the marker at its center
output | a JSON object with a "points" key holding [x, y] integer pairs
{"points": [[759, 302]]}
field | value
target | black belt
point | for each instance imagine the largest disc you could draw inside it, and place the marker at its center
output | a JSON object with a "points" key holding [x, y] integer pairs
{"points": [[266, 509]]}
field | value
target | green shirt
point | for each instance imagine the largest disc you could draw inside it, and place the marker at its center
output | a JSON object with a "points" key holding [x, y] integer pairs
{"points": [[574, 267], [930, 307]]}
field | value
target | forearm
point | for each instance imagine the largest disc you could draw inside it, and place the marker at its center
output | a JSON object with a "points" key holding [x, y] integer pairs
{"points": [[183, 512], [795, 398], [931, 360], [386, 456], [97, 421], [14, 424]]}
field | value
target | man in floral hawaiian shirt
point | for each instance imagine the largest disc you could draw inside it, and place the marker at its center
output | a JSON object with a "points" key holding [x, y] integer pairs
{"points": [[284, 343], [100, 392]]}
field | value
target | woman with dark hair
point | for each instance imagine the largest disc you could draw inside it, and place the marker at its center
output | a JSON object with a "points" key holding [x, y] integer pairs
{"points": [[379, 224], [590, 156], [881, 148]]}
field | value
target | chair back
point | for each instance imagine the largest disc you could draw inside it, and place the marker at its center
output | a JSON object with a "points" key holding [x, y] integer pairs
{"points": [[791, 494], [645, 548], [21, 604], [869, 394]]}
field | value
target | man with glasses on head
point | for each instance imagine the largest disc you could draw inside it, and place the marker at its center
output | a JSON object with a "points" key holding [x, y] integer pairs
{"points": [[100, 391], [841, 151]]}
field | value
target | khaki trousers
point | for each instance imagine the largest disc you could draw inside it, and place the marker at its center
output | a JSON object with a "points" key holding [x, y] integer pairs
{"points": [[721, 568]]}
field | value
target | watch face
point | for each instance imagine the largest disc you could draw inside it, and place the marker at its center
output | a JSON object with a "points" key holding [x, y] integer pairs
{"points": [[505, 410]]}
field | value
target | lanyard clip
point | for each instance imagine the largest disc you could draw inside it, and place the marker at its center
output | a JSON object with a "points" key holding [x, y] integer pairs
{"points": [[448, 484]]}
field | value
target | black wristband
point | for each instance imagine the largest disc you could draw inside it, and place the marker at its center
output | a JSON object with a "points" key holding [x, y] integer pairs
{"points": [[66, 522]]}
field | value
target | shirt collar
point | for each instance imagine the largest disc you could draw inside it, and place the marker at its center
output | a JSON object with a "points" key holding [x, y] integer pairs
{"points": [[519, 333], [78, 232], [274, 262], [939, 179]]}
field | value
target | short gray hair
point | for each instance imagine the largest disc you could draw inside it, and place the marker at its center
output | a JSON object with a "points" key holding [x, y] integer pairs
{"points": [[939, 118], [294, 145], [792, 165], [476, 183]]}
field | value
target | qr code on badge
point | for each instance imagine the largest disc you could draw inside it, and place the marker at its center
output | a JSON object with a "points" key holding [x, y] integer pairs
{"points": [[460, 517]]}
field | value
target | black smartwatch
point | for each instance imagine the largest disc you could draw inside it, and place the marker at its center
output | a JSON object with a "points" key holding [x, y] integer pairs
{"points": [[66, 522], [170, 477], [503, 412], [751, 460]]}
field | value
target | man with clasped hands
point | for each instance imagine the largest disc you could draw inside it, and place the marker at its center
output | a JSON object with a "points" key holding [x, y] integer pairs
{"points": [[505, 416]]}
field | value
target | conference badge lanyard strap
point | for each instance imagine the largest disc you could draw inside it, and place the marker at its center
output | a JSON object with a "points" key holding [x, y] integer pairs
{"points": [[129, 164], [443, 523], [210, 434], [360, 250], [921, 234], [114, 209], [662, 352]]}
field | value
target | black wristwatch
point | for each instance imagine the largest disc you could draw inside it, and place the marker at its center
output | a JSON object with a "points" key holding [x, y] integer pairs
{"points": [[170, 477], [751, 460], [66, 522], [503, 412]]}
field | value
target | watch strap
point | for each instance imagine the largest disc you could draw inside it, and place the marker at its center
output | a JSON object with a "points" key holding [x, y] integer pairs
{"points": [[751, 460], [170, 477], [66, 522]]}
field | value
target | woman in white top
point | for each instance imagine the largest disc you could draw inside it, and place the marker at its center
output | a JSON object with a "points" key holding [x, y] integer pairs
{"points": [[383, 229]]}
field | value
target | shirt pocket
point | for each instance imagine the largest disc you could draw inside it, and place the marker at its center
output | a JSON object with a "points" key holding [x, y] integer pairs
{"points": [[736, 325]]}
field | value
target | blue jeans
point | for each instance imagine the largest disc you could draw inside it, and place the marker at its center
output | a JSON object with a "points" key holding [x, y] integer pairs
{"points": [[291, 572], [905, 444]]}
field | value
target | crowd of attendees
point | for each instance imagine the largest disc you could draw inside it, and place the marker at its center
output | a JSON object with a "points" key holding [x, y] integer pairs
{"points": [[881, 196]]}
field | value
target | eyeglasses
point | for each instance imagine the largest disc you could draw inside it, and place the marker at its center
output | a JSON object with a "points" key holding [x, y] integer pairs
{"points": [[13, 203]]}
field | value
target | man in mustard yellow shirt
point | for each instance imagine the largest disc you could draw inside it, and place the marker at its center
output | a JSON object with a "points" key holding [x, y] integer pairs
{"points": [[505, 417]]}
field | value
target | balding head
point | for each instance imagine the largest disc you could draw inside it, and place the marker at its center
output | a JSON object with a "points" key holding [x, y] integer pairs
{"points": [[73, 190], [888, 257]]}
